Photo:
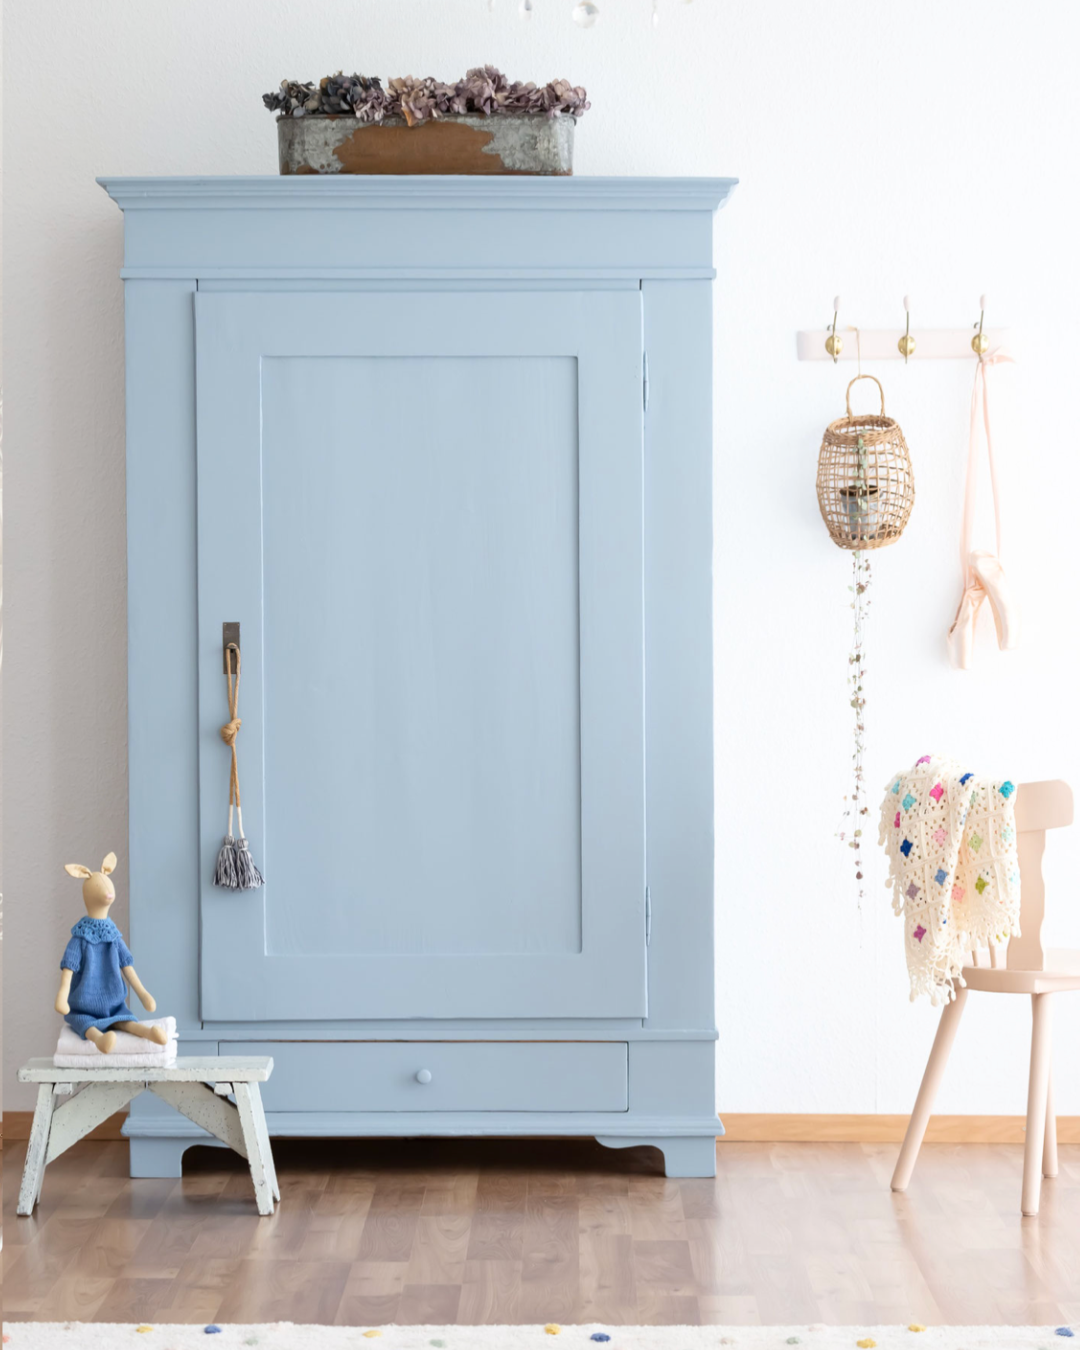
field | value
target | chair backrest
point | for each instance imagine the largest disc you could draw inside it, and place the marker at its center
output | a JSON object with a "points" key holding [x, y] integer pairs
{"points": [[1039, 807]]}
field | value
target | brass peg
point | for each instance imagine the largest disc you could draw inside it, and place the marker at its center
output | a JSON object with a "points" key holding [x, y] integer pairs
{"points": [[980, 341], [834, 345], [906, 345]]}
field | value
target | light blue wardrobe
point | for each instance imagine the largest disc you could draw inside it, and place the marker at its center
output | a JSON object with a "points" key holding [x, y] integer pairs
{"points": [[442, 448]]}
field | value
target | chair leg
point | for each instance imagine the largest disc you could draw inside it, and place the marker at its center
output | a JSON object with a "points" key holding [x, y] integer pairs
{"points": [[1050, 1156], [924, 1102], [1038, 1090]]}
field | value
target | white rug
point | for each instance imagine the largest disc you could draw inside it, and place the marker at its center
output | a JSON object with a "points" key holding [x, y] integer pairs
{"points": [[289, 1336]]}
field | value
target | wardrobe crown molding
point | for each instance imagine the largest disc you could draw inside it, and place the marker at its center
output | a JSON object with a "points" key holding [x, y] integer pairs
{"points": [[449, 191]]}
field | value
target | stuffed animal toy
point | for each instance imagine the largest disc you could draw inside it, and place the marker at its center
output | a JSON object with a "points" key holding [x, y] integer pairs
{"points": [[95, 964]]}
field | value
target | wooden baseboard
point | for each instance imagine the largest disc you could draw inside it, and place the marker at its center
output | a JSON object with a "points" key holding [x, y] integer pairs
{"points": [[766, 1128], [17, 1126], [881, 1129]]}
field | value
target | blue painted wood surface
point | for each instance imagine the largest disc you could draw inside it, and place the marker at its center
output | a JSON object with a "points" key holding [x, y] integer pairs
{"points": [[413, 228], [420, 601], [470, 1076], [163, 734], [554, 257], [441, 634]]}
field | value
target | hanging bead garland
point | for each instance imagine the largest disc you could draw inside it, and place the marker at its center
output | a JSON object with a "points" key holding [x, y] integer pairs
{"points": [[584, 13], [865, 490], [856, 810]]}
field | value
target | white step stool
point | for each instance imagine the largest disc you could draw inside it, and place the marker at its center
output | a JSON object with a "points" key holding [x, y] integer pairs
{"points": [[94, 1094]]}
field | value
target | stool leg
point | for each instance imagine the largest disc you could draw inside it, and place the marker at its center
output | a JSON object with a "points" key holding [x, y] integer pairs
{"points": [[264, 1138], [252, 1142], [1038, 1087], [924, 1102], [1050, 1156], [34, 1167]]}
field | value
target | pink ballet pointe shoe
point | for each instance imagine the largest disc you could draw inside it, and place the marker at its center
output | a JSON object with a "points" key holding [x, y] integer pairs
{"points": [[984, 576], [991, 575], [962, 632]]}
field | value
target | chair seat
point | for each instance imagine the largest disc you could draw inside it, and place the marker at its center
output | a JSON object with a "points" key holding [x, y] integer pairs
{"points": [[1062, 973]]}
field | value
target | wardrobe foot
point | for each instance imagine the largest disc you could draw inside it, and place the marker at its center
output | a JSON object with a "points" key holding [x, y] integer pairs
{"points": [[158, 1157], [684, 1155]]}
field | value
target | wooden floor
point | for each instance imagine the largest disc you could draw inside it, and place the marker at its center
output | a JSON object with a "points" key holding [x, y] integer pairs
{"points": [[464, 1231]]}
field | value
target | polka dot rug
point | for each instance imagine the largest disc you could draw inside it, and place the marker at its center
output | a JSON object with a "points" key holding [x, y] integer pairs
{"points": [[290, 1336]]}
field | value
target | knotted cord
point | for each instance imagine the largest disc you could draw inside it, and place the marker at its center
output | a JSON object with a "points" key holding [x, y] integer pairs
{"points": [[229, 732]]}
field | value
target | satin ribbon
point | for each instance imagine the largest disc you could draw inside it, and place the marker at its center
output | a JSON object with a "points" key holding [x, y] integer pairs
{"points": [[983, 575]]}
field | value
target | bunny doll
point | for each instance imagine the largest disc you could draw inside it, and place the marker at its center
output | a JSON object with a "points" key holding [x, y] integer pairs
{"points": [[95, 964]]}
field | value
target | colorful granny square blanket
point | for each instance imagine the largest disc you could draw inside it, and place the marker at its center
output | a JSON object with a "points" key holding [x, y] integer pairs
{"points": [[953, 867]]}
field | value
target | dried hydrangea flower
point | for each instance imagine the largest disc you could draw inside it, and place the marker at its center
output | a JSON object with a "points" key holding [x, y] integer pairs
{"points": [[290, 99], [419, 100], [485, 91], [563, 97]]}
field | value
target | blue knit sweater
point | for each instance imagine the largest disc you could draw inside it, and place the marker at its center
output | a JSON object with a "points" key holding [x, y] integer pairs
{"points": [[96, 955]]}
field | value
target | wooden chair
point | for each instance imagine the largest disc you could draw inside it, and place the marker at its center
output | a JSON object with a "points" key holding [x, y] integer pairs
{"points": [[1028, 969]]}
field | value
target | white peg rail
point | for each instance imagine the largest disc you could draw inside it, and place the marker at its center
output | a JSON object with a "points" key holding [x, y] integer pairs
{"points": [[880, 344]]}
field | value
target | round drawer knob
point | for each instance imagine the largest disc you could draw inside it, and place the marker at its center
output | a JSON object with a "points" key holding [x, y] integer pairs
{"points": [[423, 1075]]}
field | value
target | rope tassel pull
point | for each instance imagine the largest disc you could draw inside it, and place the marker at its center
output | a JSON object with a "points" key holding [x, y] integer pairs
{"points": [[235, 869]]}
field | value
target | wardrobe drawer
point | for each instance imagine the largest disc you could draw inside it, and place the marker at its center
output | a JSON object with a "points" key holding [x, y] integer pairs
{"points": [[441, 1075]]}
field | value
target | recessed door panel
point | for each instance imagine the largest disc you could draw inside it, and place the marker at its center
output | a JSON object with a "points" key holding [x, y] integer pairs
{"points": [[421, 656]]}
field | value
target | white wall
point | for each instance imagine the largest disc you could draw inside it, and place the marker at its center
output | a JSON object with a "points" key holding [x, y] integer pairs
{"points": [[883, 148], [1, 575]]}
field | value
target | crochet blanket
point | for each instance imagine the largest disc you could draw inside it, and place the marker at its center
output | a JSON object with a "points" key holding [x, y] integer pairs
{"points": [[951, 840]]}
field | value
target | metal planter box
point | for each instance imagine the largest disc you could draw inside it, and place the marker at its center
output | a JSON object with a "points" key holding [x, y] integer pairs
{"points": [[528, 144]]}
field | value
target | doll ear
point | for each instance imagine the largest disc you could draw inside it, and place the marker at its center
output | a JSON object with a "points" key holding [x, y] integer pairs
{"points": [[77, 870], [109, 865]]}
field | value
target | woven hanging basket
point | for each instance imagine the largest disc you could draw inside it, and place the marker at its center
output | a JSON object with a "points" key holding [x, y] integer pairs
{"points": [[865, 486]]}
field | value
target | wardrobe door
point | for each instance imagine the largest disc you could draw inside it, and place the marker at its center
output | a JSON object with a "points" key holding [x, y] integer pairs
{"points": [[425, 512]]}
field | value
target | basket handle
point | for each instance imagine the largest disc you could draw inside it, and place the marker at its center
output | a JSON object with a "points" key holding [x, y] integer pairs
{"points": [[880, 391]]}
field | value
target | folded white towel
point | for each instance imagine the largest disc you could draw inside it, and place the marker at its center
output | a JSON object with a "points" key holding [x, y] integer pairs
{"points": [[164, 1059], [132, 1052]]}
